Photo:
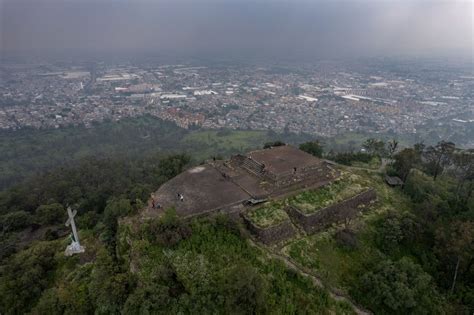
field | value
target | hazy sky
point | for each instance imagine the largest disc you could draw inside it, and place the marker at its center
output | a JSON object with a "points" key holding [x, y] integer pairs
{"points": [[260, 27]]}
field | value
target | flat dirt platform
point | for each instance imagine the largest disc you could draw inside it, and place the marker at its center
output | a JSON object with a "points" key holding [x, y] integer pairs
{"points": [[284, 159], [203, 188]]}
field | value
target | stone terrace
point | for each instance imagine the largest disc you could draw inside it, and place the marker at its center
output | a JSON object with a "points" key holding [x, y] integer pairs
{"points": [[284, 159], [222, 185]]}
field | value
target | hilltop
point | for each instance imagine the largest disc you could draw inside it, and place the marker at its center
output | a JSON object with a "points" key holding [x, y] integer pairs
{"points": [[347, 257]]}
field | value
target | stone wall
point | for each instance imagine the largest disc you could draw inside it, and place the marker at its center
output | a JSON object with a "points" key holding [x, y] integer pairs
{"points": [[337, 213], [272, 234], [316, 173]]}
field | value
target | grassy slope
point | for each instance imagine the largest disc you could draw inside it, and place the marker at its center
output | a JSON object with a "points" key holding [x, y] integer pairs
{"points": [[338, 266], [201, 263], [212, 250]]}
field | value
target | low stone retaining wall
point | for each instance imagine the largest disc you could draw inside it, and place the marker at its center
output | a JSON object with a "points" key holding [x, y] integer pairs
{"points": [[233, 210], [272, 234], [337, 213]]}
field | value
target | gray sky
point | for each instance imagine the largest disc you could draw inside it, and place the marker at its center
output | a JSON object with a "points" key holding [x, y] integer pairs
{"points": [[260, 27]]}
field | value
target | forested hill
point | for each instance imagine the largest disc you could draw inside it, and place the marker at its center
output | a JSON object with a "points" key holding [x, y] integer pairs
{"points": [[412, 253], [27, 152], [226, 274]]}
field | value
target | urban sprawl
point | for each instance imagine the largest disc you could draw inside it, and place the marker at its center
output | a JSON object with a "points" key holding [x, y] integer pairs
{"points": [[325, 99]]}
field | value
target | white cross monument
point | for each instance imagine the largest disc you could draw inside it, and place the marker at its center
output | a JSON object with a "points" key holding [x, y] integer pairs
{"points": [[75, 247]]}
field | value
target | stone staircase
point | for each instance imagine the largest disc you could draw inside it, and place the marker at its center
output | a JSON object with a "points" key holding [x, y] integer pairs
{"points": [[253, 167]]}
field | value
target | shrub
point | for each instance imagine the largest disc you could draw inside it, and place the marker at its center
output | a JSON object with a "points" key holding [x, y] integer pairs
{"points": [[50, 214], [277, 143], [15, 221], [167, 231]]}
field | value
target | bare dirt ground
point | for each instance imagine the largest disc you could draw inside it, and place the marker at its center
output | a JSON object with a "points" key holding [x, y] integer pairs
{"points": [[202, 187]]}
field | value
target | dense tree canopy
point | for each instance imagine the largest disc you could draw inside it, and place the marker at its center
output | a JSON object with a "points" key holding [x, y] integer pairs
{"points": [[400, 287], [313, 147]]}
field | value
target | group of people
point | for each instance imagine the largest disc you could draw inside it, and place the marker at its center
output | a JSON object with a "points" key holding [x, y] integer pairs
{"points": [[156, 205]]}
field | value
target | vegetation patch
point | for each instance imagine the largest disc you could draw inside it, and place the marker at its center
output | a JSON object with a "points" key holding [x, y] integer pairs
{"points": [[269, 215], [215, 270], [314, 200], [336, 263], [374, 163]]}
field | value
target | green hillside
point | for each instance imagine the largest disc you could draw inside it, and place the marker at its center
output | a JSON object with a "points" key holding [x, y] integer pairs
{"points": [[410, 252]]}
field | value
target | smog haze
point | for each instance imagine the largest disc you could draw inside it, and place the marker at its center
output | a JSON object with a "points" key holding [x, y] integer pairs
{"points": [[299, 28]]}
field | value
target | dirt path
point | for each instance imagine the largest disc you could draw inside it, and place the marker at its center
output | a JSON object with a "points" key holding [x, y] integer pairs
{"points": [[381, 169], [315, 279]]}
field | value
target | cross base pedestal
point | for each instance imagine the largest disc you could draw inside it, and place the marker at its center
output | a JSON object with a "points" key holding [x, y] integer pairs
{"points": [[74, 248]]}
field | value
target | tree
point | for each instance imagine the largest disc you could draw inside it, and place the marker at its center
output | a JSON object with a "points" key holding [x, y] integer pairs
{"points": [[419, 186], [312, 147], [150, 298], [15, 221], [168, 230], [244, 291], [50, 214], [114, 210], [456, 240], [438, 157], [405, 160], [173, 165], [374, 146], [109, 285], [24, 276], [395, 228], [400, 287], [464, 171], [419, 147], [277, 143], [392, 146]]}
